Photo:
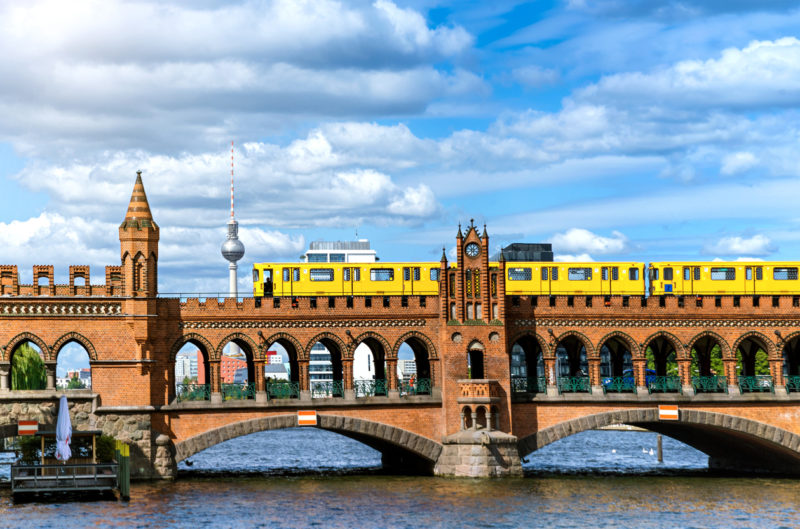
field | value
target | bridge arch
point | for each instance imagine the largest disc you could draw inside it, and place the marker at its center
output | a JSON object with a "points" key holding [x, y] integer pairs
{"points": [[425, 355], [730, 442], [580, 337], [399, 447], [673, 340], [195, 339], [531, 335], [242, 340], [27, 337], [760, 339], [74, 337], [723, 343], [623, 337]]}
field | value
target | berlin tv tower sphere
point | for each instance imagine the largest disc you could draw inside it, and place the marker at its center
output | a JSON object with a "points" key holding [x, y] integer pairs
{"points": [[233, 249]]}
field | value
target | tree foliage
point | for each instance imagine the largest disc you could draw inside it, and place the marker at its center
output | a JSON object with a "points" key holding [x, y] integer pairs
{"points": [[75, 383], [27, 369]]}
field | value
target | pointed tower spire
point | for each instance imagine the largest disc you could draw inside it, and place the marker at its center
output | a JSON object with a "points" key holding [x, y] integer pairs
{"points": [[138, 215], [444, 255]]}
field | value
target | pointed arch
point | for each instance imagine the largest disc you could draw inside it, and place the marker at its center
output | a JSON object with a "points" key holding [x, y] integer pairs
{"points": [[772, 351], [278, 337], [255, 350], [195, 338], [375, 336], [534, 336], [723, 344], [633, 347], [27, 337], [74, 337], [585, 341], [476, 345], [346, 352], [419, 336], [680, 350]]}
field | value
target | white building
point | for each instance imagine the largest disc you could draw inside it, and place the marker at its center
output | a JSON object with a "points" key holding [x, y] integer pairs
{"points": [[406, 369], [320, 368], [340, 252]]}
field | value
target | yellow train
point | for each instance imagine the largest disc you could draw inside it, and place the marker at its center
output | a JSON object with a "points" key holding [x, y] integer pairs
{"points": [[550, 278], [717, 277]]}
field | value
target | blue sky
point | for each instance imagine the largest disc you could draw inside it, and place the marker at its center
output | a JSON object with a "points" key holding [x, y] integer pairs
{"points": [[631, 130]]}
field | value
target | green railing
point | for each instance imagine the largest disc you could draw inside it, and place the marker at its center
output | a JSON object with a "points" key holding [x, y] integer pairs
{"points": [[757, 383], [528, 385], [574, 385], [192, 392], [238, 391], [321, 390], [283, 390], [420, 386], [710, 384], [665, 384], [371, 388], [793, 383], [619, 385]]}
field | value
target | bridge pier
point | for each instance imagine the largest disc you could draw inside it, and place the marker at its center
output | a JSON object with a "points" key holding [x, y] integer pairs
{"points": [[479, 454]]}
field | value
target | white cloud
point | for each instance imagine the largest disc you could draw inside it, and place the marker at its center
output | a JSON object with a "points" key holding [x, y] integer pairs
{"points": [[577, 240], [755, 245], [738, 162]]}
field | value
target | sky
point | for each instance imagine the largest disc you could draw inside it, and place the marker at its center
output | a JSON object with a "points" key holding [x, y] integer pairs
{"points": [[631, 130]]}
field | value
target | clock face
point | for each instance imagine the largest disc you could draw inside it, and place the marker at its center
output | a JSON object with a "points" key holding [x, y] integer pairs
{"points": [[472, 249]]}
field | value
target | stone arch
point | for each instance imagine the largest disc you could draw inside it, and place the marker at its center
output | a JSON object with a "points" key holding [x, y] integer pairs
{"points": [[27, 337], [74, 337], [389, 440], [587, 343], [633, 347], [723, 344], [419, 336], [344, 350], [254, 349], [729, 441], [476, 345], [375, 336], [192, 337], [680, 350], [772, 351], [278, 337], [533, 335]]}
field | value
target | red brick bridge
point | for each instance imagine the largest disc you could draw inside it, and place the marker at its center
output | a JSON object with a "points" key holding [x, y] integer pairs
{"points": [[584, 360]]}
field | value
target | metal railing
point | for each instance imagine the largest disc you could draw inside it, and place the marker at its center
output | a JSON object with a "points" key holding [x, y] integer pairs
{"points": [[238, 391], [326, 389], [421, 386], [371, 388], [88, 476], [665, 384], [619, 385], [793, 383], [528, 384], [710, 384], [756, 383], [185, 392], [574, 385], [283, 390]]}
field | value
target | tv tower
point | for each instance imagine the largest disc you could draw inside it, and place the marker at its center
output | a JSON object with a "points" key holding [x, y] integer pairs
{"points": [[232, 248]]}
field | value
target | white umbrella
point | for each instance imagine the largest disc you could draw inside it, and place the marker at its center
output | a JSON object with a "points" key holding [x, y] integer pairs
{"points": [[63, 431]]}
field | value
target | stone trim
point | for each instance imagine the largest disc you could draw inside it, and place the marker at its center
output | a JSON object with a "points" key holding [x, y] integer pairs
{"points": [[61, 309], [299, 324], [637, 322]]}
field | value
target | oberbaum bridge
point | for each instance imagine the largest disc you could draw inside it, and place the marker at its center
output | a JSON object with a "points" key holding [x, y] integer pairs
{"points": [[470, 421]]}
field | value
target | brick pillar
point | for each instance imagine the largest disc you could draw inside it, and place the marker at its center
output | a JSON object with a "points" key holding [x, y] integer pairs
{"points": [[391, 374], [347, 379], [550, 374], [639, 367], [216, 381], [594, 371], [776, 370], [730, 374], [260, 381], [685, 372], [304, 380]]}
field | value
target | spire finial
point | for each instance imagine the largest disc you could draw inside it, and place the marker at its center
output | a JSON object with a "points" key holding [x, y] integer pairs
{"points": [[231, 178]]}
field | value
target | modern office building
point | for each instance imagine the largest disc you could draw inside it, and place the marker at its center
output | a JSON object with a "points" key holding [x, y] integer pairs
{"points": [[340, 252]]}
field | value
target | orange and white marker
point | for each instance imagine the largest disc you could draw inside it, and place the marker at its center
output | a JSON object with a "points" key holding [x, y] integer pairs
{"points": [[27, 427], [667, 412], [306, 418]]}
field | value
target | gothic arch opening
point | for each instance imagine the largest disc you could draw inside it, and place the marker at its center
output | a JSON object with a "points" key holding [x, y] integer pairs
{"points": [[326, 369], [73, 367], [707, 367], [237, 370], [28, 371], [369, 368], [527, 366], [416, 379], [283, 382], [191, 372]]}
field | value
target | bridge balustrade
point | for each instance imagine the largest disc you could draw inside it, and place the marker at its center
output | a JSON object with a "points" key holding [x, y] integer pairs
{"points": [[757, 383], [371, 388], [187, 392], [422, 386], [793, 384], [283, 390], [238, 391], [619, 385], [574, 385], [710, 384], [528, 384], [665, 384]]}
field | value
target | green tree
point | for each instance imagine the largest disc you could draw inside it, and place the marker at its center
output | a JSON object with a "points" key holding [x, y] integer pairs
{"points": [[716, 364], [27, 369], [75, 383]]}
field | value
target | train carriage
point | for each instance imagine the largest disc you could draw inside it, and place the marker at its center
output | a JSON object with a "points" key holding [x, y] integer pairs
{"points": [[724, 277], [588, 278]]}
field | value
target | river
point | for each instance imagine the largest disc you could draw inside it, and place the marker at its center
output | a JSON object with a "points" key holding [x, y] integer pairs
{"points": [[312, 478]]}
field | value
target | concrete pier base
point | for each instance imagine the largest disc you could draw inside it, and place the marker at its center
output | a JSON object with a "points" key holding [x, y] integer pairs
{"points": [[479, 454]]}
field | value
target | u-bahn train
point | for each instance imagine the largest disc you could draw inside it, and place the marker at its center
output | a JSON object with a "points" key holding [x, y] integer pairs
{"points": [[533, 278]]}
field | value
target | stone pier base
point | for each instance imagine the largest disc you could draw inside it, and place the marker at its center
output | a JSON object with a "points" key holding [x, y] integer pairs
{"points": [[479, 454]]}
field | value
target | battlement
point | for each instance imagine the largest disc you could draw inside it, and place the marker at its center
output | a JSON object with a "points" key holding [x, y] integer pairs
{"points": [[44, 282]]}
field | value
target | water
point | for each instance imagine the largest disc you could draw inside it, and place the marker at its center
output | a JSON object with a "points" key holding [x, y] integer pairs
{"points": [[578, 481]]}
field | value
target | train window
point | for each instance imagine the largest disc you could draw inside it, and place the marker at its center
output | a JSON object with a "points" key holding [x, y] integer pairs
{"points": [[667, 273], [784, 274], [321, 274], [723, 274], [381, 274], [554, 274], [295, 274], [697, 273], [416, 273], [519, 274], [286, 275], [604, 272], [356, 274], [346, 274], [434, 274], [255, 275], [614, 273], [544, 273], [748, 273], [759, 274], [579, 274], [336, 258], [406, 274], [633, 274], [687, 273]]}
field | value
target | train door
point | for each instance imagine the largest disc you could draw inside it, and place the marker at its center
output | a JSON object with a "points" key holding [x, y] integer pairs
{"points": [[268, 284], [290, 277], [751, 275], [608, 274], [688, 282], [544, 282], [350, 275], [411, 274]]}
